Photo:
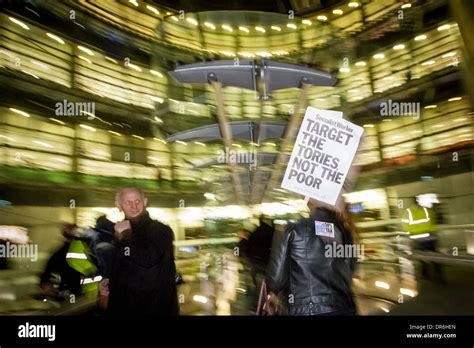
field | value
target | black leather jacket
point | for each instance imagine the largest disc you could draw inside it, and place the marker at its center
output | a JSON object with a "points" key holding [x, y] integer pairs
{"points": [[300, 268]]}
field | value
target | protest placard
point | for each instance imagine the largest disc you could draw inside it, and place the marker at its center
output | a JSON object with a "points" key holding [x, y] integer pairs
{"points": [[322, 155]]}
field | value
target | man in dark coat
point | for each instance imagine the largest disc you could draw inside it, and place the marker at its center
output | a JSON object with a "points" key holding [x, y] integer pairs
{"points": [[142, 276]]}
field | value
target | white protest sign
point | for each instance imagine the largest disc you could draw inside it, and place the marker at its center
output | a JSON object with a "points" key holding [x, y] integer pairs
{"points": [[322, 155]]}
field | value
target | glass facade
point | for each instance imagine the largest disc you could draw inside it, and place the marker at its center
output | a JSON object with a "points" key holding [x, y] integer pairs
{"points": [[88, 106]]}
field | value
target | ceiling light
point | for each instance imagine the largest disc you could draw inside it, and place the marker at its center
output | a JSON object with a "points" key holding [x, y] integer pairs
{"points": [[134, 67], [85, 59], [89, 128], [369, 125], [361, 63], [244, 29], [431, 106], [181, 142], [148, 105], [344, 70], [200, 298], [49, 146], [210, 25], [199, 143], [306, 22], [454, 99], [398, 47], [404, 6], [429, 62], [134, 2], [85, 49], [382, 285], [60, 160], [379, 56], [156, 99], [57, 121], [160, 140], [22, 113], [174, 18], [210, 196], [152, 9], [444, 27], [156, 73], [20, 23], [111, 60], [449, 54], [226, 53], [192, 21], [227, 27], [420, 37], [353, 4], [408, 292], [337, 12], [291, 25], [56, 38], [115, 133], [138, 137], [260, 29], [247, 54], [322, 18], [31, 74], [274, 27]]}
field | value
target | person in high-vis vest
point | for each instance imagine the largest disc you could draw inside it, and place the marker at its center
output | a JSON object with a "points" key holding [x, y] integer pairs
{"points": [[58, 264], [79, 259], [420, 222]]}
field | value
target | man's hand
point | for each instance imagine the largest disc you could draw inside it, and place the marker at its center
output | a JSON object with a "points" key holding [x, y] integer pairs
{"points": [[104, 294], [47, 289], [121, 227], [104, 287], [270, 307]]}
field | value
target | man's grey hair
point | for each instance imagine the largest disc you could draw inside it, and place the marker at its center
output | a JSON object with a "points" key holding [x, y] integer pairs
{"points": [[118, 195]]}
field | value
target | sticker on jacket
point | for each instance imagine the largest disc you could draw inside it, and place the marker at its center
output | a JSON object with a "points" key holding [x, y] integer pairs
{"points": [[325, 229]]}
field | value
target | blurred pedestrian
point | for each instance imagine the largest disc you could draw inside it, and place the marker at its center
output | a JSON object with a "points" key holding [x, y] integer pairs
{"points": [[309, 279], [258, 250], [420, 222], [70, 279]]}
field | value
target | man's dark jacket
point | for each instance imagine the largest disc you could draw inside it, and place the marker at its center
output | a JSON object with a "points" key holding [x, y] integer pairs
{"points": [[311, 282], [142, 279]]}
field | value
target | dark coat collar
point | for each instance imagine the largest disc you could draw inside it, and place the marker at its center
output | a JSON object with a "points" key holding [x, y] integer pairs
{"points": [[140, 221]]}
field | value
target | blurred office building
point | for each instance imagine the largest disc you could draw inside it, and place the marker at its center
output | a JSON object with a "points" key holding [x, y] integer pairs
{"points": [[100, 95]]}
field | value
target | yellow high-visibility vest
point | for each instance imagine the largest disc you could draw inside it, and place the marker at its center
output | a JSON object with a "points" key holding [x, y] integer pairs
{"points": [[418, 220], [77, 258]]}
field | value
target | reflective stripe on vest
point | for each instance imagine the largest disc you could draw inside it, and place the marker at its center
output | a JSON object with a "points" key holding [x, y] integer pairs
{"points": [[410, 220], [76, 257]]}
